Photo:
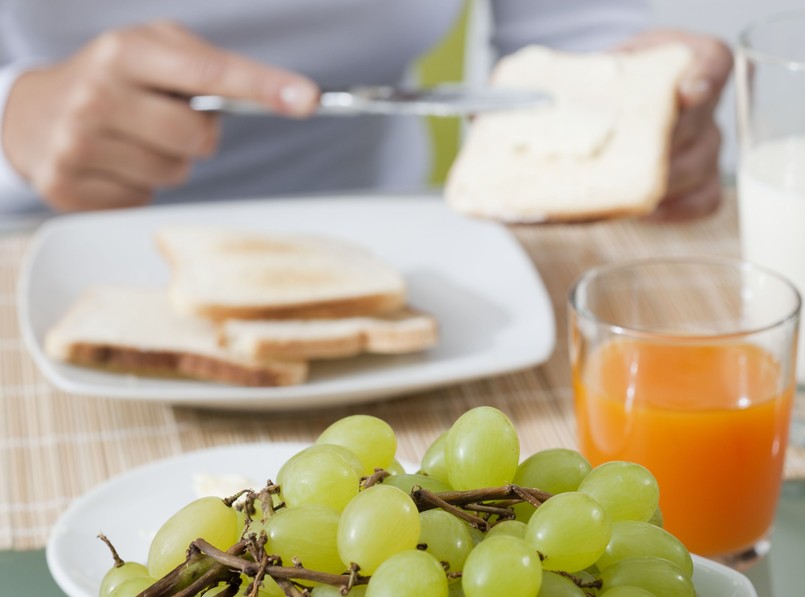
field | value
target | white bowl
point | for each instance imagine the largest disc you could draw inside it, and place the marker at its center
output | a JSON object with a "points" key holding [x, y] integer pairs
{"points": [[712, 579], [78, 560]]}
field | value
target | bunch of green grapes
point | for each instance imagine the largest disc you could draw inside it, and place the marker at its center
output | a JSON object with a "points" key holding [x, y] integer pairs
{"points": [[594, 532]]}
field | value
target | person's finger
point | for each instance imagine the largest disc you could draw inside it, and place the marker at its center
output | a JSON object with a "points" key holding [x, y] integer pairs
{"points": [[690, 124], [694, 164], [695, 204], [710, 68], [159, 121], [194, 68], [712, 63], [71, 191], [131, 163]]}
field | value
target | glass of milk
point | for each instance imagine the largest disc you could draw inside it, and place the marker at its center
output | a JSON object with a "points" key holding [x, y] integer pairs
{"points": [[770, 98]]}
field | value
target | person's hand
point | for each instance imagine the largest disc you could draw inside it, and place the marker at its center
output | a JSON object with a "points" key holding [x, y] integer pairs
{"points": [[694, 184], [110, 125]]}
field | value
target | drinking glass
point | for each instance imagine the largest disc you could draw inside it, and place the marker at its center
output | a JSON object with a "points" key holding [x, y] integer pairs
{"points": [[686, 366], [770, 99]]}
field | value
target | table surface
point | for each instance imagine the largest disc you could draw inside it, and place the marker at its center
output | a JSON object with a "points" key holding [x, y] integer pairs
{"points": [[54, 447]]}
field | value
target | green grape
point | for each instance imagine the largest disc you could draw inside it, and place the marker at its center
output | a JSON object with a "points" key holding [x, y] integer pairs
{"points": [[482, 449], [558, 470], [132, 586], [477, 535], [319, 475], [633, 538], [454, 588], [571, 530], [371, 439], [655, 575], [377, 523], [502, 565], [308, 533], [395, 468], [448, 538], [331, 591], [120, 574], [433, 462], [514, 528], [407, 482], [656, 518], [218, 589], [625, 591], [349, 456], [208, 517], [554, 585], [626, 489], [410, 573]]}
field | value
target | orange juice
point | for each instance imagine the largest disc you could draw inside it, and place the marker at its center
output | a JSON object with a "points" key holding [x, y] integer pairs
{"points": [[710, 421]]}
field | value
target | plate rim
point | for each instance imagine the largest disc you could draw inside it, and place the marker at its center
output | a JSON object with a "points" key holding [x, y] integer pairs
{"points": [[288, 398]]}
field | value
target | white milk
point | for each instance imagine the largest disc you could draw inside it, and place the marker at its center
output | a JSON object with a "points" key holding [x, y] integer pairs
{"points": [[771, 201]]}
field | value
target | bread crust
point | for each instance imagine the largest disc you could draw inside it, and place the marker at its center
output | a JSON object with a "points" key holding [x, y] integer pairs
{"points": [[120, 359], [411, 331]]}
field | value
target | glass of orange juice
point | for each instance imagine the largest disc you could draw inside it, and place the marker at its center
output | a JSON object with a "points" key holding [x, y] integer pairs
{"points": [[687, 366]]}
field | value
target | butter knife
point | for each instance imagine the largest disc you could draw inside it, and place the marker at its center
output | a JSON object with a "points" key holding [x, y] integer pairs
{"points": [[442, 100]]}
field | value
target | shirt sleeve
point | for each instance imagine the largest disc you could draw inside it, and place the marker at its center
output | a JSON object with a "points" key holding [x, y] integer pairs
{"points": [[572, 25], [15, 193]]}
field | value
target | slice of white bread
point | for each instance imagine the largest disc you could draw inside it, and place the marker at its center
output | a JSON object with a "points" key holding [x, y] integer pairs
{"points": [[600, 149], [222, 273], [136, 330], [401, 332]]}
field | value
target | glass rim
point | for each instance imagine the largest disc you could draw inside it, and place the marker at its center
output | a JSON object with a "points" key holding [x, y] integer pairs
{"points": [[650, 334], [745, 46]]}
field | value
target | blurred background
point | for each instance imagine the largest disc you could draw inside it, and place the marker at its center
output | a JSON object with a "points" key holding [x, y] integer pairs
{"points": [[463, 55]]}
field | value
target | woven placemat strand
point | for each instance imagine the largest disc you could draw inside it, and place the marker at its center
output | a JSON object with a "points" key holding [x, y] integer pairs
{"points": [[55, 447]]}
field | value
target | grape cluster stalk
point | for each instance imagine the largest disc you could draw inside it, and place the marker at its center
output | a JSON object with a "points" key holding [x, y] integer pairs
{"points": [[344, 518]]}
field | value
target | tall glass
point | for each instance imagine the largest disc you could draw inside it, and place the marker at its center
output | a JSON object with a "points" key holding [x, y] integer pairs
{"points": [[686, 366], [770, 98]]}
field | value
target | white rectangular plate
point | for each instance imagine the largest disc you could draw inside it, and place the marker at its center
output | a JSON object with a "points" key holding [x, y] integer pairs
{"points": [[493, 311]]}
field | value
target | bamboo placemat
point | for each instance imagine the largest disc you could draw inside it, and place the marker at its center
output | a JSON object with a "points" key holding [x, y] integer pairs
{"points": [[55, 446]]}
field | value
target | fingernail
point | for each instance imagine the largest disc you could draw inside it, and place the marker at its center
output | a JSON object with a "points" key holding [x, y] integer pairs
{"points": [[299, 98], [695, 89]]}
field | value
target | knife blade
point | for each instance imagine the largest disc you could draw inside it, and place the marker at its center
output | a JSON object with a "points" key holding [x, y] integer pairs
{"points": [[442, 100]]}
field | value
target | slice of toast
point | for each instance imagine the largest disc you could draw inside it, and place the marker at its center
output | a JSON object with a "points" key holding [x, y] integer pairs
{"points": [[221, 273], [136, 330], [600, 149], [401, 332]]}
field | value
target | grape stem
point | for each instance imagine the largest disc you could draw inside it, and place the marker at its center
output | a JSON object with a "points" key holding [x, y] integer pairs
{"points": [[470, 496], [289, 588], [207, 566], [226, 566], [197, 573], [375, 478], [458, 502], [118, 561], [501, 512], [581, 583], [425, 497]]}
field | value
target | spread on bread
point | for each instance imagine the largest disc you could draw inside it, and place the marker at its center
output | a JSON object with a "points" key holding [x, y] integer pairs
{"points": [[599, 149]]}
